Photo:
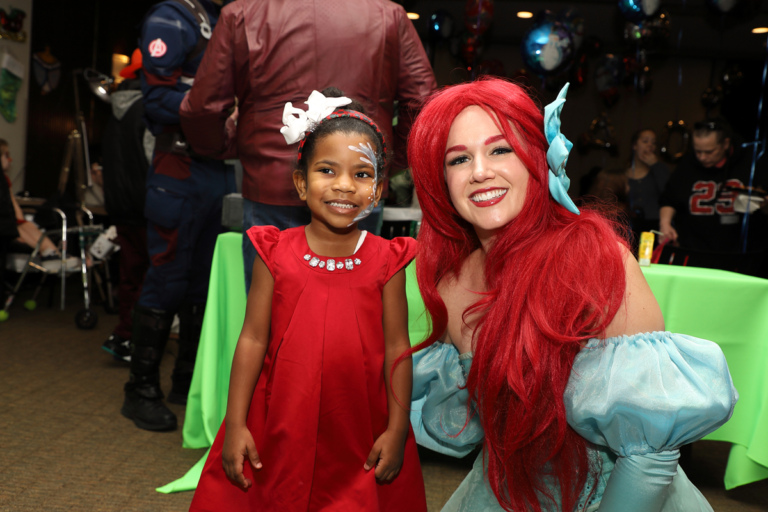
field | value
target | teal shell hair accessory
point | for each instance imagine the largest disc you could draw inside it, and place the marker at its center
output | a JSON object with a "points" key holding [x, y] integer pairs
{"points": [[557, 154]]}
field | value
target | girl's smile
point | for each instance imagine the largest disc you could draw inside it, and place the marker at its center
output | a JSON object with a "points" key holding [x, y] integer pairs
{"points": [[340, 181]]}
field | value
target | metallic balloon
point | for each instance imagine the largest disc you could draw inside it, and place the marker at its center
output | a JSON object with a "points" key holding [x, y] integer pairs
{"points": [[651, 33], [601, 135], [478, 15], [472, 48], [656, 27], [547, 48], [578, 72], [712, 97], [609, 73], [574, 22], [644, 81], [732, 78], [673, 140], [632, 33], [638, 10], [441, 25]]}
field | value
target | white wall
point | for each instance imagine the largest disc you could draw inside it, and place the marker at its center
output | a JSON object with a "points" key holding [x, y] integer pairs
{"points": [[16, 133]]}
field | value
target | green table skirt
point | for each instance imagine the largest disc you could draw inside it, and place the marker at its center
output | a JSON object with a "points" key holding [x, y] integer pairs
{"points": [[730, 309]]}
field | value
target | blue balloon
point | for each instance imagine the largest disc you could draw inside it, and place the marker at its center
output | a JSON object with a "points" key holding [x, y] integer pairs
{"points": [[440, 25], [638, 10], [548, 48], [574, 22]]}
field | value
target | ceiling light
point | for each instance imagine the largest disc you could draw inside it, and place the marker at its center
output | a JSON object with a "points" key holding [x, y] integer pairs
{"points": [[413, 15], [760, 30], [525, 14]]}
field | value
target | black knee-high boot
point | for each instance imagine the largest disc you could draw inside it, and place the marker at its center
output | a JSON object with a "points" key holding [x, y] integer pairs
{"points": [[190, 326], [143, 396]]}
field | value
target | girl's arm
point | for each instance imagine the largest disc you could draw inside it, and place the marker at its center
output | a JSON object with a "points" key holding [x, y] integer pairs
{"points": [[387, 452], [246, 367]]}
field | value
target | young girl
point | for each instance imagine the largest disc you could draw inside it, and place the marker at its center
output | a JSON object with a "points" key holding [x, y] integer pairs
{"points": [[315, 416]]}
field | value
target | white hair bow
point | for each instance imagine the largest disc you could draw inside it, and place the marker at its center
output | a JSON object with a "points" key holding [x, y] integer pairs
{"points": [[297, 122]]}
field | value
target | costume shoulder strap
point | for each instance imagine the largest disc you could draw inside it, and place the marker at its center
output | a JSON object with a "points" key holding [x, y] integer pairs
{"points": [[201, 16]]}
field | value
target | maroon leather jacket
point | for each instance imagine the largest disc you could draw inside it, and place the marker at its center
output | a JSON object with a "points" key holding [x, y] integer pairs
{"points": [[266, 53]]}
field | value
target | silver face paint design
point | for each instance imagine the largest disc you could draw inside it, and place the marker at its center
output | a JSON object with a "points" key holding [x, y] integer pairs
{"points": [[369, 158]]}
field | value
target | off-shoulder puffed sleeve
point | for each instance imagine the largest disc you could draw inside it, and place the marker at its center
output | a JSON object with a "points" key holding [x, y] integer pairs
{"points": [[401, 251], [644, 396], [265, 239], [439, 407]]}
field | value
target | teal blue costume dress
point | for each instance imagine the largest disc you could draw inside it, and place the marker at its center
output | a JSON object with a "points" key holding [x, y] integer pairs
{"points": [[635, 399]]}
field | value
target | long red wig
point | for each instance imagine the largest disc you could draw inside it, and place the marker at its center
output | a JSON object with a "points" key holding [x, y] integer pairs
{"points": [[553, 279]]}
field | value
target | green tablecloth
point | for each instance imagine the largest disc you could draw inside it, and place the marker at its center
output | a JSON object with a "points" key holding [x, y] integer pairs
{"points": [[730, 309]]}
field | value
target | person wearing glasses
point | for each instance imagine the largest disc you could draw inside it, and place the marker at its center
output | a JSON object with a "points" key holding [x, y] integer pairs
{"points": [[699, 209]]}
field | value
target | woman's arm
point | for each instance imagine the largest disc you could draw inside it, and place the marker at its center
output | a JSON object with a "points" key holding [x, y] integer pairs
{"points": [[246, 367], [643, 479], [387, 452], [639, 312]]}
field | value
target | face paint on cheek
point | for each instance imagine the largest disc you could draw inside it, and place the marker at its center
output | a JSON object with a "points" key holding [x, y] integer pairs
{"points": [[369, 158]]}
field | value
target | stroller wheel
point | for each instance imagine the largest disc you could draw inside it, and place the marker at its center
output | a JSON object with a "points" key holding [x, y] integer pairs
{"points": [[30, 304], [86, 319], [3, 315]]}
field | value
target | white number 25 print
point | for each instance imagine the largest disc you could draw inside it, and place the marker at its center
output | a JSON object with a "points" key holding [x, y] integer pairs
{"points": [[706, 201]]}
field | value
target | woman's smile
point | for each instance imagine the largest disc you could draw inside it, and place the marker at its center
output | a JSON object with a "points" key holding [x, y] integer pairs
{"points": [[486, 180], [488, 197]]}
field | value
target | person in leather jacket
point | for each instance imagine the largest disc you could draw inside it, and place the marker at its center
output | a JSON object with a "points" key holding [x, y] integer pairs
{"points": [[264, 54]]}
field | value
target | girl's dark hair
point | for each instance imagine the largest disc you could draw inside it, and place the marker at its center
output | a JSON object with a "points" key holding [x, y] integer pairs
{"points": [[348, 125]]}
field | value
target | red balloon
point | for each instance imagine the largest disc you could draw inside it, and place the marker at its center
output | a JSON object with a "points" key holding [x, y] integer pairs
{"points": [[478, 15], [578, 72], [471, 48]]}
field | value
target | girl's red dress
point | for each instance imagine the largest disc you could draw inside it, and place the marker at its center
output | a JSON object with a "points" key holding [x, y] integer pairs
{"points": [[321, 400]]}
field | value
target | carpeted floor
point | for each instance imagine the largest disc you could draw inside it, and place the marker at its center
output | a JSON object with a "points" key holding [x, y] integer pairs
{"points": [[65, 447]]}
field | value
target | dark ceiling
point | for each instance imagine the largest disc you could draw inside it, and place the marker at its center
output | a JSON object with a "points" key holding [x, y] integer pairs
{"points": [[703, 30]]}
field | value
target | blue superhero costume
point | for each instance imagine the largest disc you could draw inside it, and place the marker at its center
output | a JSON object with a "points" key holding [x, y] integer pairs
{"points": [[183, 210]]}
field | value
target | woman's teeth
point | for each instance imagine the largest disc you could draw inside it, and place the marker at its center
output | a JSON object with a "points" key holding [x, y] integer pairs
{"points": [[487, 196]]}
